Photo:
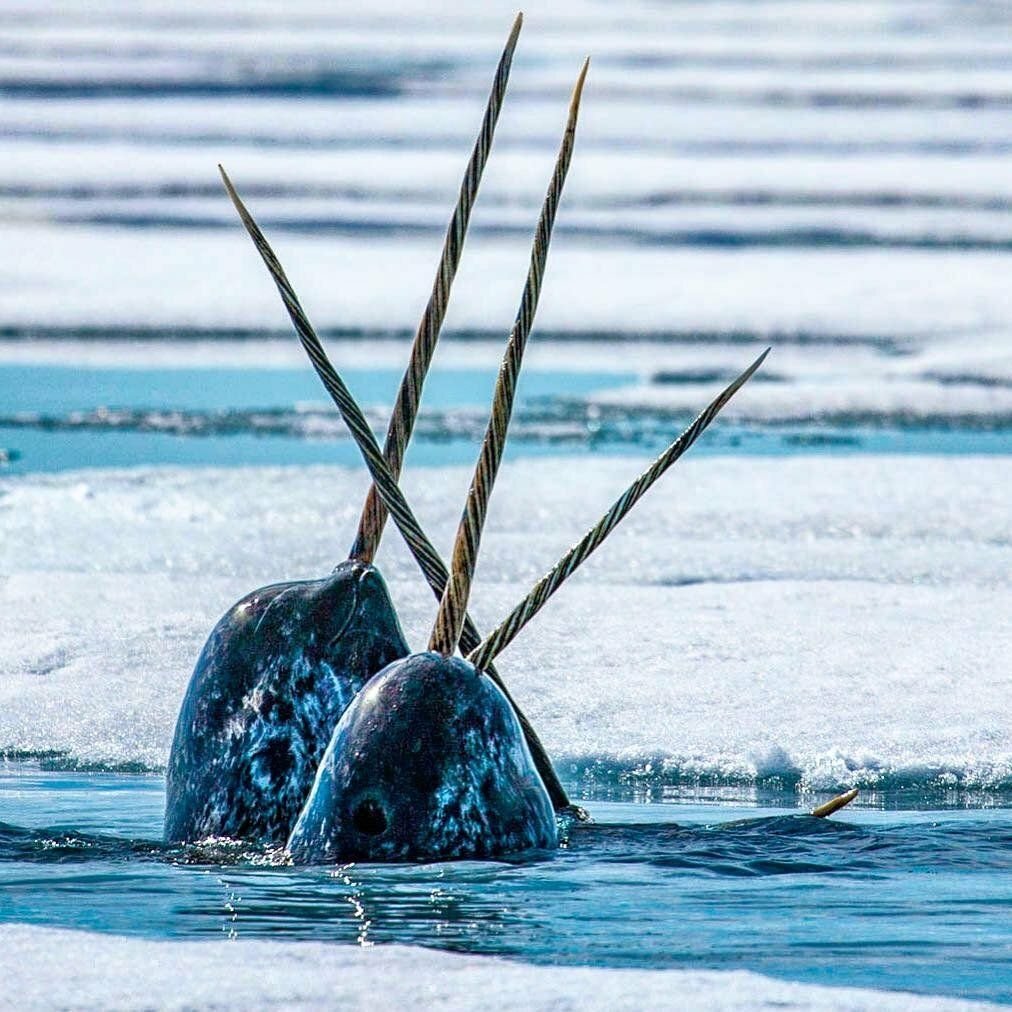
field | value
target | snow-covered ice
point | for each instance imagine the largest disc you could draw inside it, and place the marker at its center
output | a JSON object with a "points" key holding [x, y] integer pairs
{"points": [[83, 277], [844, 621], [812, 175], [885, 336], [48, 968], [44, 966]]}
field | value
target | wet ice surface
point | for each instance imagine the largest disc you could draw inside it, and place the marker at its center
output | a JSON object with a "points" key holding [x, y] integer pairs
{"points": [[94, 415], [46, 964]]}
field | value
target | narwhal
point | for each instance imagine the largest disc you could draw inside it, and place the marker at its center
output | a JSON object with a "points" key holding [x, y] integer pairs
{"points": [[429, 761], [384, 480], [284, 662]]}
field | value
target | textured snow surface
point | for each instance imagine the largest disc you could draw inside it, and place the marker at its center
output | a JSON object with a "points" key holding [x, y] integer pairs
{"points": [[48, 968], [78, 277], [832, 621]]}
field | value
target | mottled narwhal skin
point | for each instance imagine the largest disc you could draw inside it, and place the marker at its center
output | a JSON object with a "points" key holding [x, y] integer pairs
{"points": [[271, 683], [428, 763]]}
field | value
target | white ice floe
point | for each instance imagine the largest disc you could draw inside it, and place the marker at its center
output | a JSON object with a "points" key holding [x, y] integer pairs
{"points": [[649, 359], [48, 968], [967, 397], [810, 174], [91, 277], [624, 174], [831, 621]]}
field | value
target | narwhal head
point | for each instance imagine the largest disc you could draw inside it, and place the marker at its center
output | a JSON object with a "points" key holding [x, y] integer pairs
{"points": [[332, 633], [429, 762], [276, 673]]}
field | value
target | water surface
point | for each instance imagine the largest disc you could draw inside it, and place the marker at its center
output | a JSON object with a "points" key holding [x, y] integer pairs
{"points": [[55, 418], [915, 900]]}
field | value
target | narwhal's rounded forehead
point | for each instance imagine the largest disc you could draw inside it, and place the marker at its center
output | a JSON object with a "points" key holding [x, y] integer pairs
{"points": [[353, 584], [425, 708], [421, 682], [354, 593], [428, 761], [248, 610]]}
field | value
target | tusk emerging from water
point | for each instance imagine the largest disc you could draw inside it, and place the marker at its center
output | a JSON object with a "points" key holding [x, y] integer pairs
{"points": [[835, 804]]}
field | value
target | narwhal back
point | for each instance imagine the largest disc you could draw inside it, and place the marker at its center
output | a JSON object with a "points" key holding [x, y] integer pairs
{"points": [[269, 687]]}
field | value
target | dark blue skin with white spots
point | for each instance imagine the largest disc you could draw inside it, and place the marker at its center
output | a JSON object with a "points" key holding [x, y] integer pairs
{"points": [[427, 763], [271, 683]]}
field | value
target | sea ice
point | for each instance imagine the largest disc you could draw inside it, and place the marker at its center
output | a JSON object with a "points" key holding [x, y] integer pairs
{"points": [[829, 621], [49, 968]]}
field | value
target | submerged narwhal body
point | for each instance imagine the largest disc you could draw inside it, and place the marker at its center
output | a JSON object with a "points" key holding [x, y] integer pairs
{"points": [[271, 683], [429, 762]]}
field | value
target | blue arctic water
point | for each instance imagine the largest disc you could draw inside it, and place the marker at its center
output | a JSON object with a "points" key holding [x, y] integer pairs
{"points": [[914, 899], [55, 390], [54, 418]]}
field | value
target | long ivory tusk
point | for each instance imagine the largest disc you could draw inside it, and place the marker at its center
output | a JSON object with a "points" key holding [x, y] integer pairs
{"points": [[405, 409], [497, 640], [453, 605]]}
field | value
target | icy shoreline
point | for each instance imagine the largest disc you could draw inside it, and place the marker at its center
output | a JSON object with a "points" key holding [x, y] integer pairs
{"points": [[49, 968]]}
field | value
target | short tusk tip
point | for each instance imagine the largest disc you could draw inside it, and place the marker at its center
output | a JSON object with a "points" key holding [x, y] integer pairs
{"points": [[835, 804]]}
